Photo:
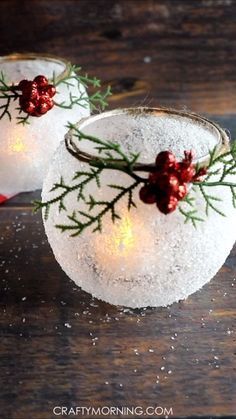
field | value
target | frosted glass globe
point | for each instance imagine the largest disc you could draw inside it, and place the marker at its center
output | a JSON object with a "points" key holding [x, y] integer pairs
{"points": [[146, 258], [27, 150]]}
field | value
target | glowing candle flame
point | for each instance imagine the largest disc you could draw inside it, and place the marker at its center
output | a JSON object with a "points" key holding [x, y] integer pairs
{"points": [[119, 247], [18, 146], [120, 239], [123, 237]]}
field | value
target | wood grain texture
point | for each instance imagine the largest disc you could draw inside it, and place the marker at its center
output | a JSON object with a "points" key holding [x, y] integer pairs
{"points": [[108, 356], [179, 53], [190, 45]]}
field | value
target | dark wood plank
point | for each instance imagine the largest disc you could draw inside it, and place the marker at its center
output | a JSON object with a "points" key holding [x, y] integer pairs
{"points": [[61, 347], [169, 52]]}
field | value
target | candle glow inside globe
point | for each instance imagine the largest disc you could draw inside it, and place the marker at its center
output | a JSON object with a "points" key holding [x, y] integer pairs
{"points": [[26, 150], [146, 258]]}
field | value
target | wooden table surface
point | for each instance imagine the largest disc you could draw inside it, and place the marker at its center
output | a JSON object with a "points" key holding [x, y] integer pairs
{"points": [[60, 347]]}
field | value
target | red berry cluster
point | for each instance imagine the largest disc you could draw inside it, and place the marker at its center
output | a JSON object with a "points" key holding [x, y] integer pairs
{"points": [[36, 98], [167, 184]]}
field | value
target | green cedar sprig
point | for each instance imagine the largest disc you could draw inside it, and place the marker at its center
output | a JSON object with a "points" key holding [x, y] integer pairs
{"points": [[111, 156], [8, 94], [96, 100], [216, 176]]}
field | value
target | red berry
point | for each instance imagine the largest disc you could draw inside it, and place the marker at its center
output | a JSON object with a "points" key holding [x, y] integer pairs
{"points": [[50, 104], [44, 97], [23, 84], [42, 108], [50, 90], [182, 191], [41, 81], [29, 107], [168, 183], [147, 194], [165, 160], [35, 113], [186, 172], [34, 93], [36, 98], [47, 100], [30, 90], [167, 204], [34, 85]]}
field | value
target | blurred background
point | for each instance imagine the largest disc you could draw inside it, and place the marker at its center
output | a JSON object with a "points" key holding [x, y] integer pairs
{"points": [[178, 53]]}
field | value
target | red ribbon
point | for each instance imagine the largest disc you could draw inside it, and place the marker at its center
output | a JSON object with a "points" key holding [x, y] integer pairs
{"points": [[3, 198]]}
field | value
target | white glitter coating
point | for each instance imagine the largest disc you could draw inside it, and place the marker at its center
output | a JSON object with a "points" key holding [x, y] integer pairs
{"points": [[27, 150], [147, 258]]}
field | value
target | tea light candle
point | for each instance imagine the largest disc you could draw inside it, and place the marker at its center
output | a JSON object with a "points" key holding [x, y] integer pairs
{"points": [[26, 150], [119, 251], [146, 258]]}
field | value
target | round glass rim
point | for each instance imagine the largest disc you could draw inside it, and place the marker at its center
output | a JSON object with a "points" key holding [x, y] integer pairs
{"points": [[222, 145], [33, 56]]}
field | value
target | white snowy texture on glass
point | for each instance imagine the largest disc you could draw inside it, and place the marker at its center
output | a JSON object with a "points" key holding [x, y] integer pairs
{"points": [[26, 150], [146, 258]]}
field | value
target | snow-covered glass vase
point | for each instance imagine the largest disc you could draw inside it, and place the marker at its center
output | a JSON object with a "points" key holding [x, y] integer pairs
{"points": [[27, 149], [146, 258]]}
